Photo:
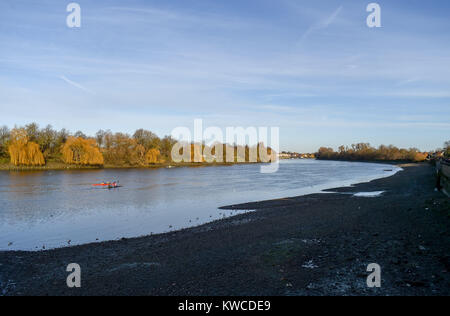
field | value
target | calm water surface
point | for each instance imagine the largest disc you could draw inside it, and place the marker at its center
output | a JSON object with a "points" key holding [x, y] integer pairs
{"points": [[49, 209]]}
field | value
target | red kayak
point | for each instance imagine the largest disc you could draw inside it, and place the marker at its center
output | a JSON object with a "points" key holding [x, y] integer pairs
{"points": [[107, 184]]}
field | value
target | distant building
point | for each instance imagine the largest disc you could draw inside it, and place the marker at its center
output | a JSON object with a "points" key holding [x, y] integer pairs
{"points": [[294, 155], [284, 155]]}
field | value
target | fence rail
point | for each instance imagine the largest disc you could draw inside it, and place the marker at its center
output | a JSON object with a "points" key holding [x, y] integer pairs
{"points": [[446, 170]]}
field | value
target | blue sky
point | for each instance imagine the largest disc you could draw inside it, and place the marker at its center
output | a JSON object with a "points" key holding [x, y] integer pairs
{"points": [[313, 68]]}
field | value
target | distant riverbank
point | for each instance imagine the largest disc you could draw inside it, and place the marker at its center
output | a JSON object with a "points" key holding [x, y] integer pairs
{"points": [[51, 166], [389, 162]]}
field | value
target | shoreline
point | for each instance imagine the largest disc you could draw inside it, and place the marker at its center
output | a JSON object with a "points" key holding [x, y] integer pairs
{"points": [[387, 162], [244, 254], [58, 166], [62, 166]]}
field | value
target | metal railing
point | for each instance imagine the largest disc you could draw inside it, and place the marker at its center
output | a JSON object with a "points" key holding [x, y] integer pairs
{"points": [[443, 172]]}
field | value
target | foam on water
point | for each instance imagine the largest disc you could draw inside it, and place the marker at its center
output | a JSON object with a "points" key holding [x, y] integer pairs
{"points": [[369, 194]]}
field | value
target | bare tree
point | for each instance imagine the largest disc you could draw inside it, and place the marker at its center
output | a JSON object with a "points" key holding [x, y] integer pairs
{"points": [[147, 139], [100, 137]]}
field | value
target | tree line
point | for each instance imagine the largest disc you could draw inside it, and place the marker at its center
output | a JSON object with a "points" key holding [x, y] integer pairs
{"points": [[31, 145], [365, 152]]}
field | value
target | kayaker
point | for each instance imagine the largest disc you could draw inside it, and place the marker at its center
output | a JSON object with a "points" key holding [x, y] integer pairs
{"points": [[113, 185]]}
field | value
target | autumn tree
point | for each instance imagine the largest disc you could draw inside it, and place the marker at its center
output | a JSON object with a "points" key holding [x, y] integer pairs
{"points": [[81, 151], [100, 137], [32, 130], [147, 139], [80, 134], [61, 138], [214, 153], [265, 154], [325, 153], [166, 146], [153, 156], [22, 151], [419, 157], [363, 151], [447, 149], [4, 139], [197, 153], [122, 150], [108, 140], [47, 141]]}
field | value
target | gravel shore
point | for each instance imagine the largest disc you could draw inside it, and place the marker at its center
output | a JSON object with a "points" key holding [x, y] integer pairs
{"points": [[318, 244]]}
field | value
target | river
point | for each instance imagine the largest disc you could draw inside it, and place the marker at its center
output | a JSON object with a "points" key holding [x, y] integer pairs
{"points": [[51, 209]]}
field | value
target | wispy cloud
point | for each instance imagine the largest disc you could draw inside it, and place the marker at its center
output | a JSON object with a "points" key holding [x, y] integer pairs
{"points": [[419, 94], [183, 17], [408, 81], [76, 85], [322, 24]]}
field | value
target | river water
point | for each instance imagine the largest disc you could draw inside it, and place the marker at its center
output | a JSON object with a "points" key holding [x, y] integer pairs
{"points": [[53, 209]]}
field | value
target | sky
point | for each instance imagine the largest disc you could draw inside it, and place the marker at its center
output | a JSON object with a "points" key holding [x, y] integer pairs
{"points": [[312, 68]]}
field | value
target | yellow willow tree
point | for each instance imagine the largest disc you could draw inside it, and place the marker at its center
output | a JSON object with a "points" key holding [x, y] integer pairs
{"points": [[80, 151], [197, 153], [122, 150], [22, 151], [153, 156], [137, 155]]}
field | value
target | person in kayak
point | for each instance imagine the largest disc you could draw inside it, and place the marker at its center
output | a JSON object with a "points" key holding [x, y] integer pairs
{"points": [[113, 185], [107, 184]]}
